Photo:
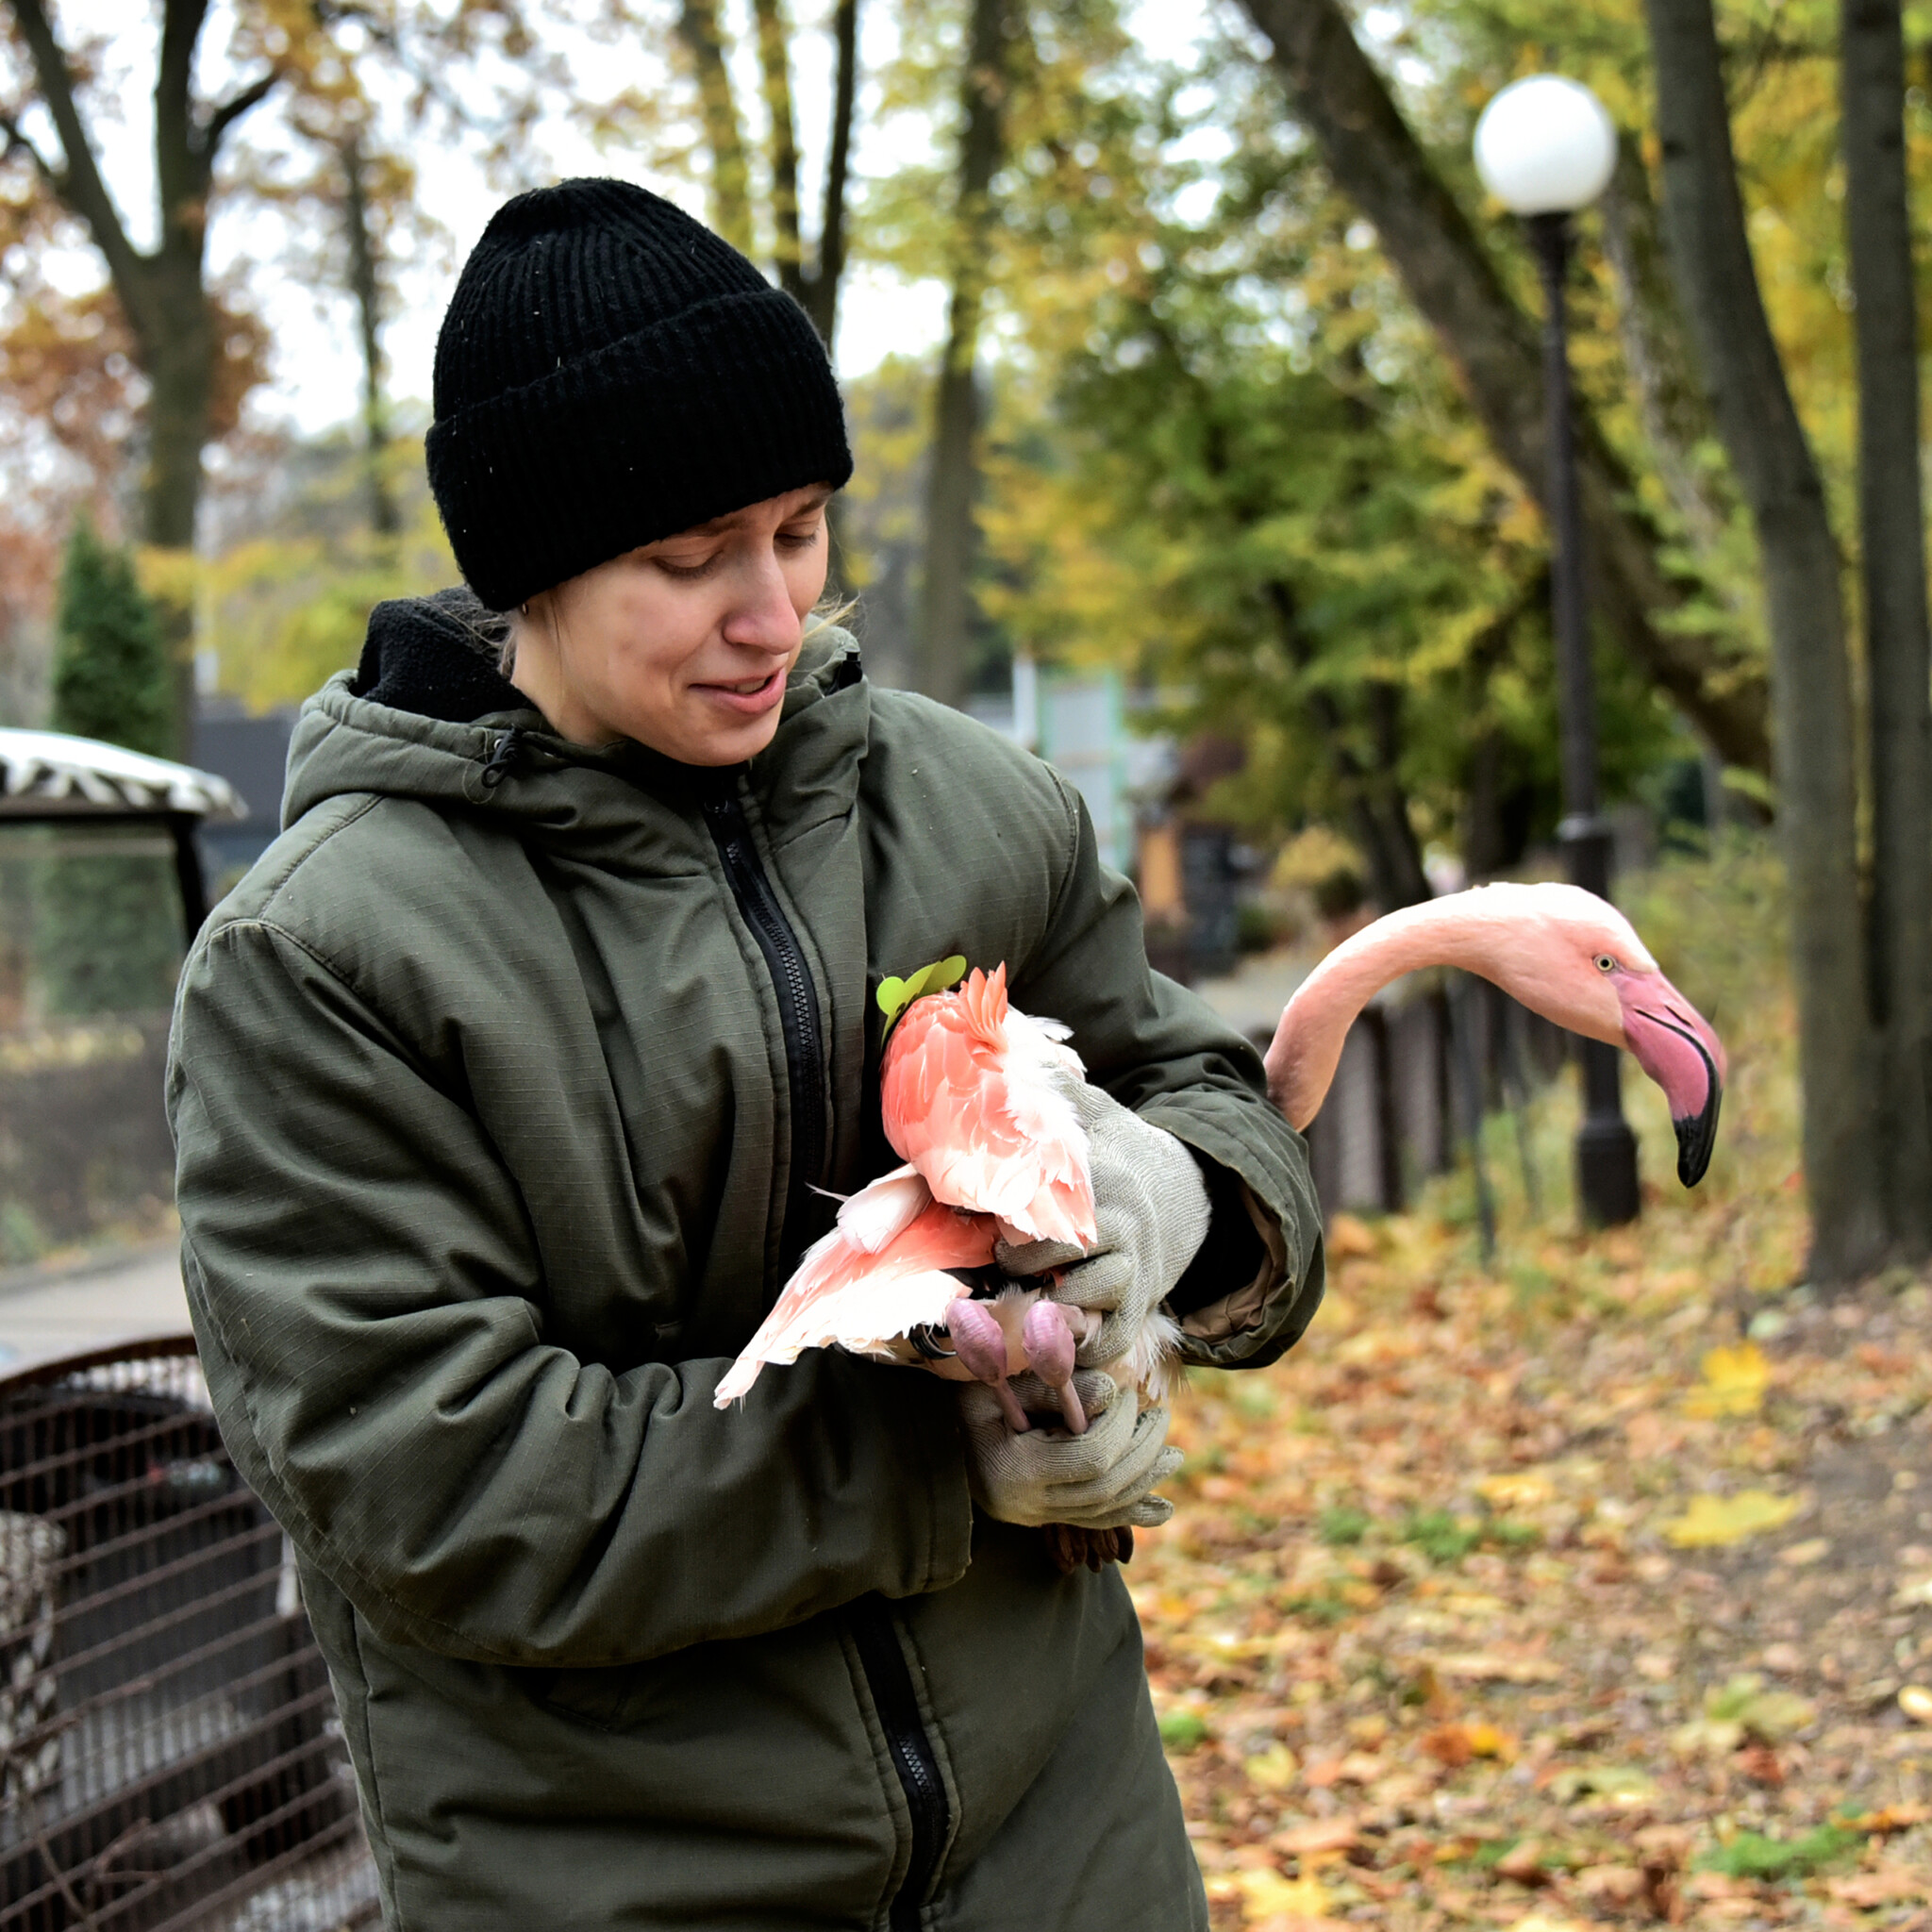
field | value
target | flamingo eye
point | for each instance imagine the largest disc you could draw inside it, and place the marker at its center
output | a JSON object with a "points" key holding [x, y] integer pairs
{"points": [[1606, 963]]}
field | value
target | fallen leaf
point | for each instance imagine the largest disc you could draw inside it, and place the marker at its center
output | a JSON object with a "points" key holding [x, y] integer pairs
{"points": [[1268, 1895], [1616, 1884], [1621, 1784], [1486, 1667], [1713, 1522], [1802, 1556], [1916, 1702], [1323, 1835], [1889, 1817], [1734, 1383], [1516, 1491], [1523, 1863], [1347, 1236], [1887, 1886], [1273, 1770]]}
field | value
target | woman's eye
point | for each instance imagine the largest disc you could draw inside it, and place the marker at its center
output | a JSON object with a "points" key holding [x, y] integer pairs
{"points": [[800, 539], [1605, 963], [685, 567]]}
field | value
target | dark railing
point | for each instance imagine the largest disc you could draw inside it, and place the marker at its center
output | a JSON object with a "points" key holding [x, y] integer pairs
{"points": [[169, 1754], [1419, 1067]]}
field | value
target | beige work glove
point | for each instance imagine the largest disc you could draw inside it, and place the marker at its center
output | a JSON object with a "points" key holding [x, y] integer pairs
{"points": [[1100, 1480], [1151, 1214]]}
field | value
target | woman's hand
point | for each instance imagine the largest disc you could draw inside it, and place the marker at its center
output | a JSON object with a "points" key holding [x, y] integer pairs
{"points": [[1150, 1208], [1099, 1480]]}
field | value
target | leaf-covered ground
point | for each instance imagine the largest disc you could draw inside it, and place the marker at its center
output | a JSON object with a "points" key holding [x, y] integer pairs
{"points": [[1590, 1586]]}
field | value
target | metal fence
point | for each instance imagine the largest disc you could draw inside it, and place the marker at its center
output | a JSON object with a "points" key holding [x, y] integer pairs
{"points": [[169, 1754], [1419, 1067]]}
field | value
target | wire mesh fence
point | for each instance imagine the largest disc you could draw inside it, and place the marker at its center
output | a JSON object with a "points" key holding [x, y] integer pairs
{"points": [[169, 1754]]}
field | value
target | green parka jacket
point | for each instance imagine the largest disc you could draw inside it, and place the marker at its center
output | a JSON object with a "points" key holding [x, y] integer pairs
{"points": [[500, 1086]]}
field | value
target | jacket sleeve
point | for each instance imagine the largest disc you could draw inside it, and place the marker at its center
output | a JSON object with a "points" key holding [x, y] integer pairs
{"points": [[1158, 1049], [366, 1291]]}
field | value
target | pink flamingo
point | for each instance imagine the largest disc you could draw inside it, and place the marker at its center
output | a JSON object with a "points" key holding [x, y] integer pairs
{"points": [[1562, 952], [973, 1096], [972, 1101]]}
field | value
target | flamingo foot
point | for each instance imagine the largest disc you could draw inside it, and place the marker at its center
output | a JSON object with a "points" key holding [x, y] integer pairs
{"points": [[980, 1344], [1048, 1339]]}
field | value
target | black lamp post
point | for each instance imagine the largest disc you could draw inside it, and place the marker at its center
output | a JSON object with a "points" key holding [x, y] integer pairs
{"points": [[1545, 147]]}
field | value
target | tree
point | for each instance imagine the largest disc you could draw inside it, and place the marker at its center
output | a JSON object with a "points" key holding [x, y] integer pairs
{"points": [[953, 473], [1892, 552], [108, 928], [1378, 161], [174, 317], [1811, 693], [111, 657]]}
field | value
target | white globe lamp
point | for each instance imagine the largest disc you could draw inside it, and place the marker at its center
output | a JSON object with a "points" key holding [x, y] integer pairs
{"points": [[1545, 146]]}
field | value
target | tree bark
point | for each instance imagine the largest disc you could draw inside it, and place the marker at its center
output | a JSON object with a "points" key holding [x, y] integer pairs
{"points": [[953, 484], [162, 293], [703, 35], [822, 291], [1891, 525], [776, 66], [365, 285], [1810, 674], [1673, 407], [1376, 162]]}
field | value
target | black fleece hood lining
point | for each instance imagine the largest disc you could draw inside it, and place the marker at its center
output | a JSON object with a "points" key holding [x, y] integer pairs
{"points": [[437, 657]]}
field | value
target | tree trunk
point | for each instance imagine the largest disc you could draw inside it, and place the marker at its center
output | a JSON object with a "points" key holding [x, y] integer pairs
{"points": [[1376, 163], [821, 292], [698, 28], [1899, 665], [1810, 674], [365, 286], [1650, 324], [953, 484], [162, 295], [776, 65]]}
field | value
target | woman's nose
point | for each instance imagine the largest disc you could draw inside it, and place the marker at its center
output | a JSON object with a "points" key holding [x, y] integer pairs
{"points": [[761, 612]]}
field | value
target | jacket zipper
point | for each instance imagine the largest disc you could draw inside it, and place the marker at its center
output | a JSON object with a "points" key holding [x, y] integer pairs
{"points": [[886, 1674], [890, 1684], [798, 1007]]}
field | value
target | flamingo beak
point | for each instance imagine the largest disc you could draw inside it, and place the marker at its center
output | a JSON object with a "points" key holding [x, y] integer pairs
{"points": [[1675, 1044]]}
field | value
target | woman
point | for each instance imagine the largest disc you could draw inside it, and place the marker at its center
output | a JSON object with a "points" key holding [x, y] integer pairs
{"points": [[506, 1087]]}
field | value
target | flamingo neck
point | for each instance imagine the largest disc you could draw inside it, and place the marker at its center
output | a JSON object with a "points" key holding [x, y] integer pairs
{"points": [[1308, 1047]]}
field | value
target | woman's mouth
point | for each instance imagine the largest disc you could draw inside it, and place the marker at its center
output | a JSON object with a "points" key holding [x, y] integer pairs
{"points": [[747, 696]]}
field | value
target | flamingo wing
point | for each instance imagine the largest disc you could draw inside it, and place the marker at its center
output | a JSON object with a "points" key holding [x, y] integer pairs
{"points": [[971, 1100], [879, 1273]]}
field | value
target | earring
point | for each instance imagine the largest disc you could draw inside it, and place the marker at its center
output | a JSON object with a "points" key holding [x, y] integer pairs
{"points": [[524, 609]]}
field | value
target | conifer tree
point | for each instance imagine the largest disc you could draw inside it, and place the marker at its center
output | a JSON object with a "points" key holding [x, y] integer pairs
{"points": [[111, 658], [109, 924]]}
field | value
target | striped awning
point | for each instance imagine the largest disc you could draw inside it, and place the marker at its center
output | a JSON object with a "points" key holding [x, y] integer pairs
{"points": [[47, 774]]}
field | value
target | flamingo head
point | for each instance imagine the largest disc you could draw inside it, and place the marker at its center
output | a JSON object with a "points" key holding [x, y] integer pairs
{"points": [[1580, 963]]}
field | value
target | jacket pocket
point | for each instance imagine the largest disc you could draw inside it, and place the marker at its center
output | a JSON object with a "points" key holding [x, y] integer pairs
{"points": [[612, 1698]]}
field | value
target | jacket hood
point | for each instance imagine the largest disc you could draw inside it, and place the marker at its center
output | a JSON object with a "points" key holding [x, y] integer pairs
{"points": [[427, 716]]}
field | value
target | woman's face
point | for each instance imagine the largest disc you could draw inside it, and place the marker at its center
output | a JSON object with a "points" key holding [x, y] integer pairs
{"points": [[683, 645]]}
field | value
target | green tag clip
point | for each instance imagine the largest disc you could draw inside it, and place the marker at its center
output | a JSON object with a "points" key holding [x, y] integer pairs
{"points": [[896, 995]]}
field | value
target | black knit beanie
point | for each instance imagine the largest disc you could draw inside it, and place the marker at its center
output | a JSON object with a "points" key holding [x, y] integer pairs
{"points": [[610, 372]]}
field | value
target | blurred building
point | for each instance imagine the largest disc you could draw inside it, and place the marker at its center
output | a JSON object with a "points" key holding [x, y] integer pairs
{"points": [[252, 754]]}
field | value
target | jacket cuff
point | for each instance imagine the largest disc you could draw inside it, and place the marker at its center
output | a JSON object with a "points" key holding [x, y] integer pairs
{"points": [[1259, 1305]]}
